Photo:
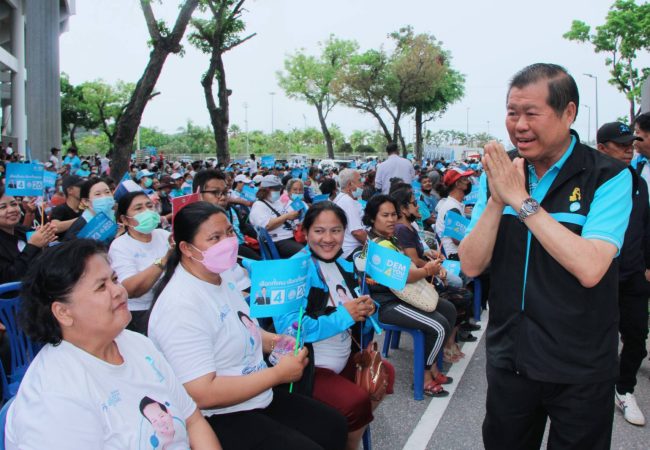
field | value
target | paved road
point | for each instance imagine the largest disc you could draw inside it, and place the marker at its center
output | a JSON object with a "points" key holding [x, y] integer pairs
{"points": [[455, 423]]}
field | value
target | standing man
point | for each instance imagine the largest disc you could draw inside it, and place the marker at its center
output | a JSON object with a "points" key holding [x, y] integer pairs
{"points": [[615, 139], [549, 223], [394, 167], [351, 190], [642, 146], [252, 166], [54, 158]]}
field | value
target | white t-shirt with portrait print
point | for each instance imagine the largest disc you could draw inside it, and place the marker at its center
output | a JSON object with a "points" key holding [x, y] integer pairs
{"points": [[69, 399], [261, 214], [333, 353], [202, 328]]}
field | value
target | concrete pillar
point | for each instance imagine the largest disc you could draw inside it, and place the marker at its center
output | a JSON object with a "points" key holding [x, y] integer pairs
{"points": [[43, 80], [18, 116], [645, 96]]}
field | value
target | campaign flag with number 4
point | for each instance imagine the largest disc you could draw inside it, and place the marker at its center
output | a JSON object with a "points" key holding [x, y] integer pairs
{"points": [[24, 180], [249, 193], [455, 225], [387, 267], [278, 286]]}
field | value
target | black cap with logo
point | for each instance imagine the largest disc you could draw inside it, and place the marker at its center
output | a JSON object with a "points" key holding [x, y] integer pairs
{"points": [[616, 132]]}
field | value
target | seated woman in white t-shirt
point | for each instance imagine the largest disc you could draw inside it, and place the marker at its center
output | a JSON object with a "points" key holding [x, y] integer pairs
{"points": [[139, 256], [296, 193], [202, 325], [94, 384], [270, 213]]}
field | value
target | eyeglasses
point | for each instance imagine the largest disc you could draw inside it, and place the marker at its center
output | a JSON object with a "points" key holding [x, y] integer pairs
{"points": [[414, 203], [216, 193]]}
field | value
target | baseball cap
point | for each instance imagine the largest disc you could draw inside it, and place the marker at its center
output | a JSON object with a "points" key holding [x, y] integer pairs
{"points": [[166, 181], [258, 179], [455, 174], [270, 181], [176, 176], [143, 173], [242, 179], [70, 181], [615, 132]]}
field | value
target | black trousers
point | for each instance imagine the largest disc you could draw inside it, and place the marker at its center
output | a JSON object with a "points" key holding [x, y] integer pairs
{"points": [[435, 325], [247, 252], [288, 247], [290, 422], [517, 408], [633, 326]]}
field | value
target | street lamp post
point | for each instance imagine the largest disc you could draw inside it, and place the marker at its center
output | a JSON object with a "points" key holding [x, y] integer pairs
{"points": [[596, 84], [588, 122], [272, 94], [467, 123], [488, 124]]}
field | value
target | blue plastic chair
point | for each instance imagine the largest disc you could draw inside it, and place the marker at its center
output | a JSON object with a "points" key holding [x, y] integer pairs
{"points": [[20, 345], [267, 246], [392, 332], [478, 293], [367, 441], [3, 421]]}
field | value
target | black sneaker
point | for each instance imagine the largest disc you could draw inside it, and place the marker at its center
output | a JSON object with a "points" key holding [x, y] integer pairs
{"points": [[467, 326], [466, 337]]}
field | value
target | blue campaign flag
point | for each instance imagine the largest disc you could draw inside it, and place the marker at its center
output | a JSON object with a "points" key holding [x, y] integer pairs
{"points": [[24, 180], [363, 203], [249, 192], [320, 198], [49, 179], [305, 173], [353, 164], [387, 267], [452, 266], [296, 172], [455, 225], [472, 197], [297, 205], [268, 161], [100, 228], [278, 286], [126, 176]]}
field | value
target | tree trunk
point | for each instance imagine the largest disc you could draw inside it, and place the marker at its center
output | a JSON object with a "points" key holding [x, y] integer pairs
{"points": [[418, 134], [632, 112], [219, 115], [326, 132], [382, 124], [73, 130], [127, 126]]}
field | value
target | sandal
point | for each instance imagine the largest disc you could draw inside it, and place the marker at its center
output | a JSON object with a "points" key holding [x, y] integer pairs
{"points": [[441, 378], [457, 351], [432, 389], [450, 357]]}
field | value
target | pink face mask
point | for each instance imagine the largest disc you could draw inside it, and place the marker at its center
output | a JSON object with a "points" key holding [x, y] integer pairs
{"points": [[221, 256]]}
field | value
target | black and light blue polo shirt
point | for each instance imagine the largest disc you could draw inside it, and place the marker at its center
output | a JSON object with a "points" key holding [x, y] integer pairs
{"points": [[543, 323]]}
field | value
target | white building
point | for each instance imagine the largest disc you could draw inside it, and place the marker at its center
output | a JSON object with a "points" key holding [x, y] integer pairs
{"points": [[30, 107]]}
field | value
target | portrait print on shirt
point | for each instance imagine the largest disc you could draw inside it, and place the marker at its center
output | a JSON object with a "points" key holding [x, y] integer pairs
{"points": [[160, 427], [251, 362]]}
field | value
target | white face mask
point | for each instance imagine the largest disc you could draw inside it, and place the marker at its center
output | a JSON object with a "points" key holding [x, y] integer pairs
{"points": [[275, 196]]}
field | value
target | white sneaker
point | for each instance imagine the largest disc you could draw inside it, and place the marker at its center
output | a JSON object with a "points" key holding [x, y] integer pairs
{"points": [[631, 411]]}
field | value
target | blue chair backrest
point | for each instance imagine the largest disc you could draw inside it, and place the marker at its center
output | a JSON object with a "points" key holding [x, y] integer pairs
{"points": [[267, 247], [20, 344], [3, 421]]}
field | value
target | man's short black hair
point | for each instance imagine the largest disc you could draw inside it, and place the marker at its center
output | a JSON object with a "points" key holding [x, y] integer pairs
{"points": [[562, 88], [643, 122], [203, 176], [392, 148]]}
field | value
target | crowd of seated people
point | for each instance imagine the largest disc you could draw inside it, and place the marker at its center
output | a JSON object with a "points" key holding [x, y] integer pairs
{"points": [[156, 317]]}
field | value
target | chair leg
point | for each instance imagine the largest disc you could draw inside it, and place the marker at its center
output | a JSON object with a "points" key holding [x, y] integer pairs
{"points": [[367, 441], [418, 365], [394, 343], [440, 360], [387, 339]]}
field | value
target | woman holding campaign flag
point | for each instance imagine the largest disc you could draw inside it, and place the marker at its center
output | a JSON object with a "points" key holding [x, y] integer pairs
{"points": [[19, 246], [202, 325], [381, 214], [96, 197], [335, 318]]}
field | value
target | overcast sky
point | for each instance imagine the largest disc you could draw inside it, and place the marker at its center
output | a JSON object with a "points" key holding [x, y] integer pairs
{"points": [[489, 41]]}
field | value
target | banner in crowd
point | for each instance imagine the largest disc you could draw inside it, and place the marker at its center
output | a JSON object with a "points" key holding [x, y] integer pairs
{"points": [[451, 266], [455, 225], [296, 172], [278, 286], [49, 179], [387, 267], [319, 198], [181, 202], [100, 228], [24, 180], [268, 161], [249, 193], [305, 174], [472, 197], [297, 205]]}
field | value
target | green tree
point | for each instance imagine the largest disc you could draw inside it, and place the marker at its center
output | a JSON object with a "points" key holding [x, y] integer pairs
{"points": [[216, 36], [105, 104], [74, 111], [163, 41], [309, 78], [626, 32]]}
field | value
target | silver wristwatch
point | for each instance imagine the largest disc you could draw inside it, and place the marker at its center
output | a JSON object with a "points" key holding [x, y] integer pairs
{"points": [[529, 207]]}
